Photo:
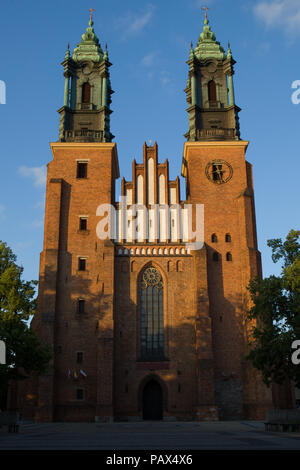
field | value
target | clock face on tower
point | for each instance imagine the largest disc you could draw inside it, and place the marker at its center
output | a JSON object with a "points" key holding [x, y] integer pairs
{"points": [[218, 171]]}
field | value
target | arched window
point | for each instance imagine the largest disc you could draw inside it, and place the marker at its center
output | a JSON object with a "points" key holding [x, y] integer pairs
{"points": [[179, 267], [227, 238], [214, 238], [212, 92], [86, 93], [228, 257], [152, 315]]}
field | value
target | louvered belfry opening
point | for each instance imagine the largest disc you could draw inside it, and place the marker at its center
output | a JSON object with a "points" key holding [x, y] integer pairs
{"points": [[212, 92], [86, 93]]}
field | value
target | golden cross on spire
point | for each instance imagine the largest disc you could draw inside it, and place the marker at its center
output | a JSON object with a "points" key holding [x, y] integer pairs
{"points": [[91, 13], [205, 8]]}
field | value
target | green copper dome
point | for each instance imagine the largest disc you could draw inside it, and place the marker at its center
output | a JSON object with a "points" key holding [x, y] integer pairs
{"points": [[89, 48], [208, 47]]}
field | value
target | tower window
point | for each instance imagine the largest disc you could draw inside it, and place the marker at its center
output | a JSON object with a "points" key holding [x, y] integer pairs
{"points": [[228, 257], [79, 357], [86, 93], [227, 238], [152, 315], [214, 238], [212, 92], [79, 394], [216, 256], [82, 223], [81, 264], [81, 306], [81, 170]]}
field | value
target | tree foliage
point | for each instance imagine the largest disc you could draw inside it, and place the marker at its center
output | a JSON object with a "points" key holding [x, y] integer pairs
{"points": [[276, 311], [24, 353]]}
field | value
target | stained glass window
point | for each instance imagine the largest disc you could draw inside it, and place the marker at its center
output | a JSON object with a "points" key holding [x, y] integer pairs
{"points": [[152, 315]]}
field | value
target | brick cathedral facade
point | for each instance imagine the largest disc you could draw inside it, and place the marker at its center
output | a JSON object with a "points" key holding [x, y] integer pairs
{"points": [[147, 327]]}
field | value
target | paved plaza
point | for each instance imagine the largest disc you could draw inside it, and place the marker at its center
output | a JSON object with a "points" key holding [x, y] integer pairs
{"points": [[246, 435]]}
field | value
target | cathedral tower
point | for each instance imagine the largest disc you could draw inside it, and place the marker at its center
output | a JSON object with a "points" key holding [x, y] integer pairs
{"points": [[76, 286], [219, 177]]}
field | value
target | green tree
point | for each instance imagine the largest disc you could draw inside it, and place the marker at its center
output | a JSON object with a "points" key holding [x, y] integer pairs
{"points": [[24, 353], [276, 311]]}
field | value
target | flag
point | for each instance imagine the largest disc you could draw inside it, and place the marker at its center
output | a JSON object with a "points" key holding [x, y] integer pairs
{"points": [[69, 374], [75, 374], [82, 373]]}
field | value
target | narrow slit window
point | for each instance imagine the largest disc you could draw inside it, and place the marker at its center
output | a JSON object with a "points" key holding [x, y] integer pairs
{"points": [[227, 238], [81, 306], [79, 357], [214, 238], [81, 170], [82, 223], [228, 257], [81, 264]]}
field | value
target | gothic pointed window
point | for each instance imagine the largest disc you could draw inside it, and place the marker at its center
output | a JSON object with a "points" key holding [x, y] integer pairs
{"points": [[86, 93], [212, 92], [152, 315]]}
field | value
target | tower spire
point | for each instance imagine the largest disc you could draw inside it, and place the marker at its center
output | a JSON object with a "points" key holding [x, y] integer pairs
{"points": [[213, 114], [85, 115], [67, 56], [229, 55]]}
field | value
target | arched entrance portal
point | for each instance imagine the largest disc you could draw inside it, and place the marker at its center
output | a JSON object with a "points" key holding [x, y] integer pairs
{"points": [[152, 401]]}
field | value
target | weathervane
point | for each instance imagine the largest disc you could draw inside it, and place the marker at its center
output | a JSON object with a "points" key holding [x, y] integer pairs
{"points": [[91, 15], [205, 8]]}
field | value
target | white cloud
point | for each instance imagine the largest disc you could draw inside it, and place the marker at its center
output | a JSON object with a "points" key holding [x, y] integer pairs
{"points": [[148, 59], [284, 14], [37, 173], [132, 24], [165, 78]]}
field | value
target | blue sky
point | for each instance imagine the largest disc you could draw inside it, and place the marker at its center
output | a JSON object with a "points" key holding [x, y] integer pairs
{"points": [[148, 44]]}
